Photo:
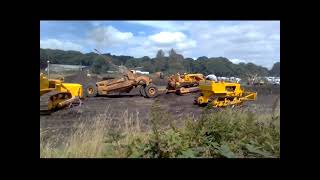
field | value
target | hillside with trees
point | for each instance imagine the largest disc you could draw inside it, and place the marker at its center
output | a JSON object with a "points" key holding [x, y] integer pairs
{"points": [[275, 70], [173, 63]]}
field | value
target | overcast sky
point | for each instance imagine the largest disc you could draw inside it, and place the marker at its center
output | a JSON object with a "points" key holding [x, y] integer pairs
{"points": [[239, 41]]}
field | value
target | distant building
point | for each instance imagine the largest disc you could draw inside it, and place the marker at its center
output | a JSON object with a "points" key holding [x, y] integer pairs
{"points": [[273, 79], [64, 67], [211, 77], [229, 79], [142, 72], [139, 72]]}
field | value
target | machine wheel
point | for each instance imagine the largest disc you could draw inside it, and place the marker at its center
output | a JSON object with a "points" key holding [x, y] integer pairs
{"points": [[161, 75], [91, 90], [151, 91], [142, 83], [142, 91]]}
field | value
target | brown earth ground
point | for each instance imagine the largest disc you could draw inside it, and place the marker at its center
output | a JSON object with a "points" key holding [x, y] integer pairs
{"points": [[134, 106]]}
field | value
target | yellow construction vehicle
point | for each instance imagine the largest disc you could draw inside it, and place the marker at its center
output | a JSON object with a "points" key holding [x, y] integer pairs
{"points": [[222, 94], [130, 80], [185, 83], [54, 94]]}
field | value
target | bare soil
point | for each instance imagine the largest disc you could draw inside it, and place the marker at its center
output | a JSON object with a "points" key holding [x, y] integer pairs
{"points": [[178, 107]]}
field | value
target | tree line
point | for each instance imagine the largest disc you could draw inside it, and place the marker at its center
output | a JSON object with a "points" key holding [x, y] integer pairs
{"points": [[173, 63]]}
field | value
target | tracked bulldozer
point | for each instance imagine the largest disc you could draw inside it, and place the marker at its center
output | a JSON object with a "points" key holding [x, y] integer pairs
{"points": [[185, 83], [223, 94], [54, 94]]}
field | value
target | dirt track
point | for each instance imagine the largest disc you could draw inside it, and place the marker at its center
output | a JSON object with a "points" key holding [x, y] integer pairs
{"points": [[178, 107]]}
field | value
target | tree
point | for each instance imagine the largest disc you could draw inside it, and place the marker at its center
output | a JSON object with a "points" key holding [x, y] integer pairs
{"points": [[100, 65], [43, 62], [187, 64], [275, 70], [173, 63], [202, 58], [160, 54], [172, 53]]}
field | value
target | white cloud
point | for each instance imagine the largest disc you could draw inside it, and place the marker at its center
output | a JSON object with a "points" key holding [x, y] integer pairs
{"points": [[168, 37], [163, 25], [108, 36], [139, 46], [187, 45], [235, 29], [250, 41], [237, 61], [275, 37], [240, 41], [255, 35], [58, 44], [140, 51], [96, 23]]}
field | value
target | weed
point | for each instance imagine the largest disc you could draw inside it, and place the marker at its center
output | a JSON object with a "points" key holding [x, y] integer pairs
{"points": [[218, 134]]}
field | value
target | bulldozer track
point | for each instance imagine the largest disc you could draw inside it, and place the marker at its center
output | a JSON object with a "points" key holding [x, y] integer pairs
{"points": [[44, 102]]}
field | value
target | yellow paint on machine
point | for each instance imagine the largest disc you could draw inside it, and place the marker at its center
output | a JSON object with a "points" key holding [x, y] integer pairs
{"points": [[222, 94], [61, 94]]}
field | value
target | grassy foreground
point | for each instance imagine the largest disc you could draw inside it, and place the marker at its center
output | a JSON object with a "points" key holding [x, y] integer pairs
{"points": [[220, 134]]}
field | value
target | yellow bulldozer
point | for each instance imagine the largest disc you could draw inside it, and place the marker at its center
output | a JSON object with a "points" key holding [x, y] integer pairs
{"points": [[54, 94], [223, 94], [185, 83]]}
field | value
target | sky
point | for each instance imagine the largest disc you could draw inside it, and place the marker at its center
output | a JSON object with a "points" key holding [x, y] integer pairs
{"points": [[239, 41]]}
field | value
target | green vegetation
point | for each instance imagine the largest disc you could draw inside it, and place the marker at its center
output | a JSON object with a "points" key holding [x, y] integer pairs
{"points": [[275, 70], [228, 133], [175, 62]]}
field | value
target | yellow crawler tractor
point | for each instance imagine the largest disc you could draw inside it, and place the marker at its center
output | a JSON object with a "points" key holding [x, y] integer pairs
{"points": [[54, 94], [185, 83], [223, 94]]}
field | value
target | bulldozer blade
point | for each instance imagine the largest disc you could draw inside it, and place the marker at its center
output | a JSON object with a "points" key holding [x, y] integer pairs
{"points": [[170, 91], [70, 101], [250, 96], [187, 90]]}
